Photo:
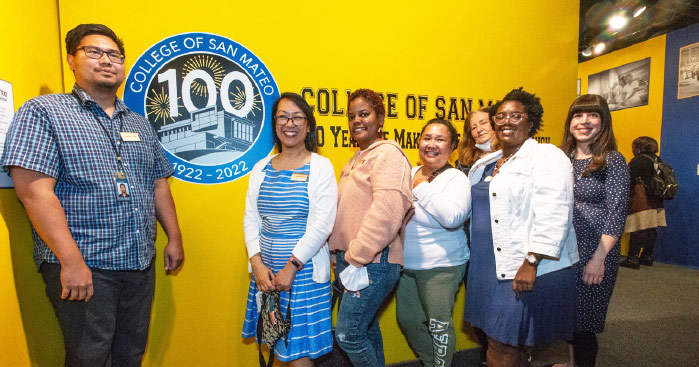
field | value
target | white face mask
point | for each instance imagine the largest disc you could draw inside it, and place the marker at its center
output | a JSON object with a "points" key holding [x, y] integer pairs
{"points": [[485, 146]]}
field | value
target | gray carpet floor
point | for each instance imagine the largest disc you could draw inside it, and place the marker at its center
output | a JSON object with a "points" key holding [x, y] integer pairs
{"points": [[653, 320]]}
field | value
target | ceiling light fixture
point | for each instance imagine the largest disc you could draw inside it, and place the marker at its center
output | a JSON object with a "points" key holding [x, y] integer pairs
{"points": [[587, 52], [599, 48], [618, 21], [639, 11]]}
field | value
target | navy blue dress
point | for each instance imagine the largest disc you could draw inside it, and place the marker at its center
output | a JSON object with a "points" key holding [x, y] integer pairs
{"points": [[541, 316], [600, 208]]}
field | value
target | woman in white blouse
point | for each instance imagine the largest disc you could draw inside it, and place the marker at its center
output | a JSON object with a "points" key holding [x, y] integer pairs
{"points": [[435, 250]]}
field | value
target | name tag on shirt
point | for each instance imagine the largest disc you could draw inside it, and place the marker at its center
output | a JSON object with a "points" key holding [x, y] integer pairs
{"points": [[301, 177], [126, 136]]}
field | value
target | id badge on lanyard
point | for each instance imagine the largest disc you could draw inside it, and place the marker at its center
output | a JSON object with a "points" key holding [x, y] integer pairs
{"points": [[122, 187]]}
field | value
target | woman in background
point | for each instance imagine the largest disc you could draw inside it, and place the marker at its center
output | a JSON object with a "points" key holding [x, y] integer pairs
{"points": [[521, 285], [374, 198], [478, 139], [289, 214], [435, 249], [601, 195], [646, 211]]}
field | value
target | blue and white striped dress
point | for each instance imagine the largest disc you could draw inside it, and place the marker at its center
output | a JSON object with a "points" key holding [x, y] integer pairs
{"points": [[283, 206]]}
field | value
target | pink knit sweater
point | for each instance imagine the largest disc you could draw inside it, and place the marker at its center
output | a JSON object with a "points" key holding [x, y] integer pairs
{"points": [[374, 194]]}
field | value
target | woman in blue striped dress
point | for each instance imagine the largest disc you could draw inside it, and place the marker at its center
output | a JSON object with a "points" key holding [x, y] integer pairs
{"points": [[289, 214]]}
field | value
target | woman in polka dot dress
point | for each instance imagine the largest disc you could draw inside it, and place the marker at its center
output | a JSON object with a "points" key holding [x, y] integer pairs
{"points": [[601, 194]]}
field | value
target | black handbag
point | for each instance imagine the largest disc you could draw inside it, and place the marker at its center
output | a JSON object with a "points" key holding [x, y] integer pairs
{"points": [[271, 326]]}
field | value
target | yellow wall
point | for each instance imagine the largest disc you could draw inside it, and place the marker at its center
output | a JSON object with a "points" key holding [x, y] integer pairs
{"points": [[631, 123], [31, 62], [456, 49]]}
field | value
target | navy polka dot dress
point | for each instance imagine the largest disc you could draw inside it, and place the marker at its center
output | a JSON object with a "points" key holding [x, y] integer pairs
{"points": [[601, 201]]}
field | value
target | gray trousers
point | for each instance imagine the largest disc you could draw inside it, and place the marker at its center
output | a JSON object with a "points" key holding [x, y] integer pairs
{"points": [[424, 309], [112, 328]]}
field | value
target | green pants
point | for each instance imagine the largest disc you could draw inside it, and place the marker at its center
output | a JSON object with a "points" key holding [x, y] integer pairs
{"points": [[424, 307]]}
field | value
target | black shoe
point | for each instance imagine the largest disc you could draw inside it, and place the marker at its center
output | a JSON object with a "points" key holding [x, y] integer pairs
{"points": [[631, 262], [646, 260]]}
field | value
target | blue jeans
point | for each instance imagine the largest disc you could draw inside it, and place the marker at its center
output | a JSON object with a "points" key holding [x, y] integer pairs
{"points": [[111, 329], [357, 329]]}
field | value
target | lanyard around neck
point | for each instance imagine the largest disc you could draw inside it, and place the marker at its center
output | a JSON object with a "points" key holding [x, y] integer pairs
{"points": [[116, 147]]}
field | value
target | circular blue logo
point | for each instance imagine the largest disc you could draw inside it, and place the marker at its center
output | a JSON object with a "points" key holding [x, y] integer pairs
{"points": [[209, 100]]}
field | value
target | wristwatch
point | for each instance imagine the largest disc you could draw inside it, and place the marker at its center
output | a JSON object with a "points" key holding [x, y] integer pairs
{"points": [[532, 260], [295, 263]]}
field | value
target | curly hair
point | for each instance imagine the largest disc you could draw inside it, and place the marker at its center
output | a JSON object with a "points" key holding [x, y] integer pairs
{"points": [[373, 98], [75, 35], [532, 107], [601, 143], [468, 153], [453, 134], [300, 102]]}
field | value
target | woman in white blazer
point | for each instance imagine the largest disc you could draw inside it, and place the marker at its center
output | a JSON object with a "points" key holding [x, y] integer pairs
{"points": [[521, 286]]}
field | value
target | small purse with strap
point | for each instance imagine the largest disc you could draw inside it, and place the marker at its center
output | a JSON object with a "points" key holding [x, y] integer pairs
{"points": [[271, 326]]}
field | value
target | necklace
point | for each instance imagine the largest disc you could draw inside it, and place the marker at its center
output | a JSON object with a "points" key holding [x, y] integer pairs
{"points": [[499, 163], [436, 172], [579, 176]]}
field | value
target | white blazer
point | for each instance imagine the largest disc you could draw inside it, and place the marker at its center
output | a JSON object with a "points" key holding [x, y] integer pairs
{"points": [[531, 208], [322, 201]]}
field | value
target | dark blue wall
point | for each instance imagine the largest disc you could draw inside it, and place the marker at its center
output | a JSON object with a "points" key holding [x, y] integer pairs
{"points": [[678, 243]]}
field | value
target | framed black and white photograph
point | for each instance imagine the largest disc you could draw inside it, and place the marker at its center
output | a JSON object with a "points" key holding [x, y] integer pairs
{"points": [[624, 86], [688, 72]]}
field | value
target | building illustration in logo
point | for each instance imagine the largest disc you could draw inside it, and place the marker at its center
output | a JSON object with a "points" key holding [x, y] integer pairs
{"points": [[209, 130], [209, 101]]}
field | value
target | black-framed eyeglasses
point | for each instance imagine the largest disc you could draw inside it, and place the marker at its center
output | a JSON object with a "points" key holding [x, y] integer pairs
{"points": [[296, 120], [96, 53], [514, 117]]}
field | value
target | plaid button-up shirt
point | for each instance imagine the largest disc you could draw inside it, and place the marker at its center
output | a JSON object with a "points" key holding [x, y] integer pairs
{"points": [[58, 135]]}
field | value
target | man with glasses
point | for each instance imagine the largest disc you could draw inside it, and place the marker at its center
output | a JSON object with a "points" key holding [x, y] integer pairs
{"points": [[94, 248]]}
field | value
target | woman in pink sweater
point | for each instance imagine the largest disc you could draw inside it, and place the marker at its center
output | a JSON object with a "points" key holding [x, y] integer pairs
{"points": [[374, 195]]}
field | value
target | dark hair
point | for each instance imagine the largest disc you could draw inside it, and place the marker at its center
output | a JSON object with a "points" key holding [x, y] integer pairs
{"points": [[600, 144], [530, 102], [453, 134], [373, 98], [468, 153], [644, 145], [75, 35], [300, 102]]}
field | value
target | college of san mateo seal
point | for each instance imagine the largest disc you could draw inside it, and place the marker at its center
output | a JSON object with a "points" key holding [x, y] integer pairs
{"points": [[209, 99]]}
